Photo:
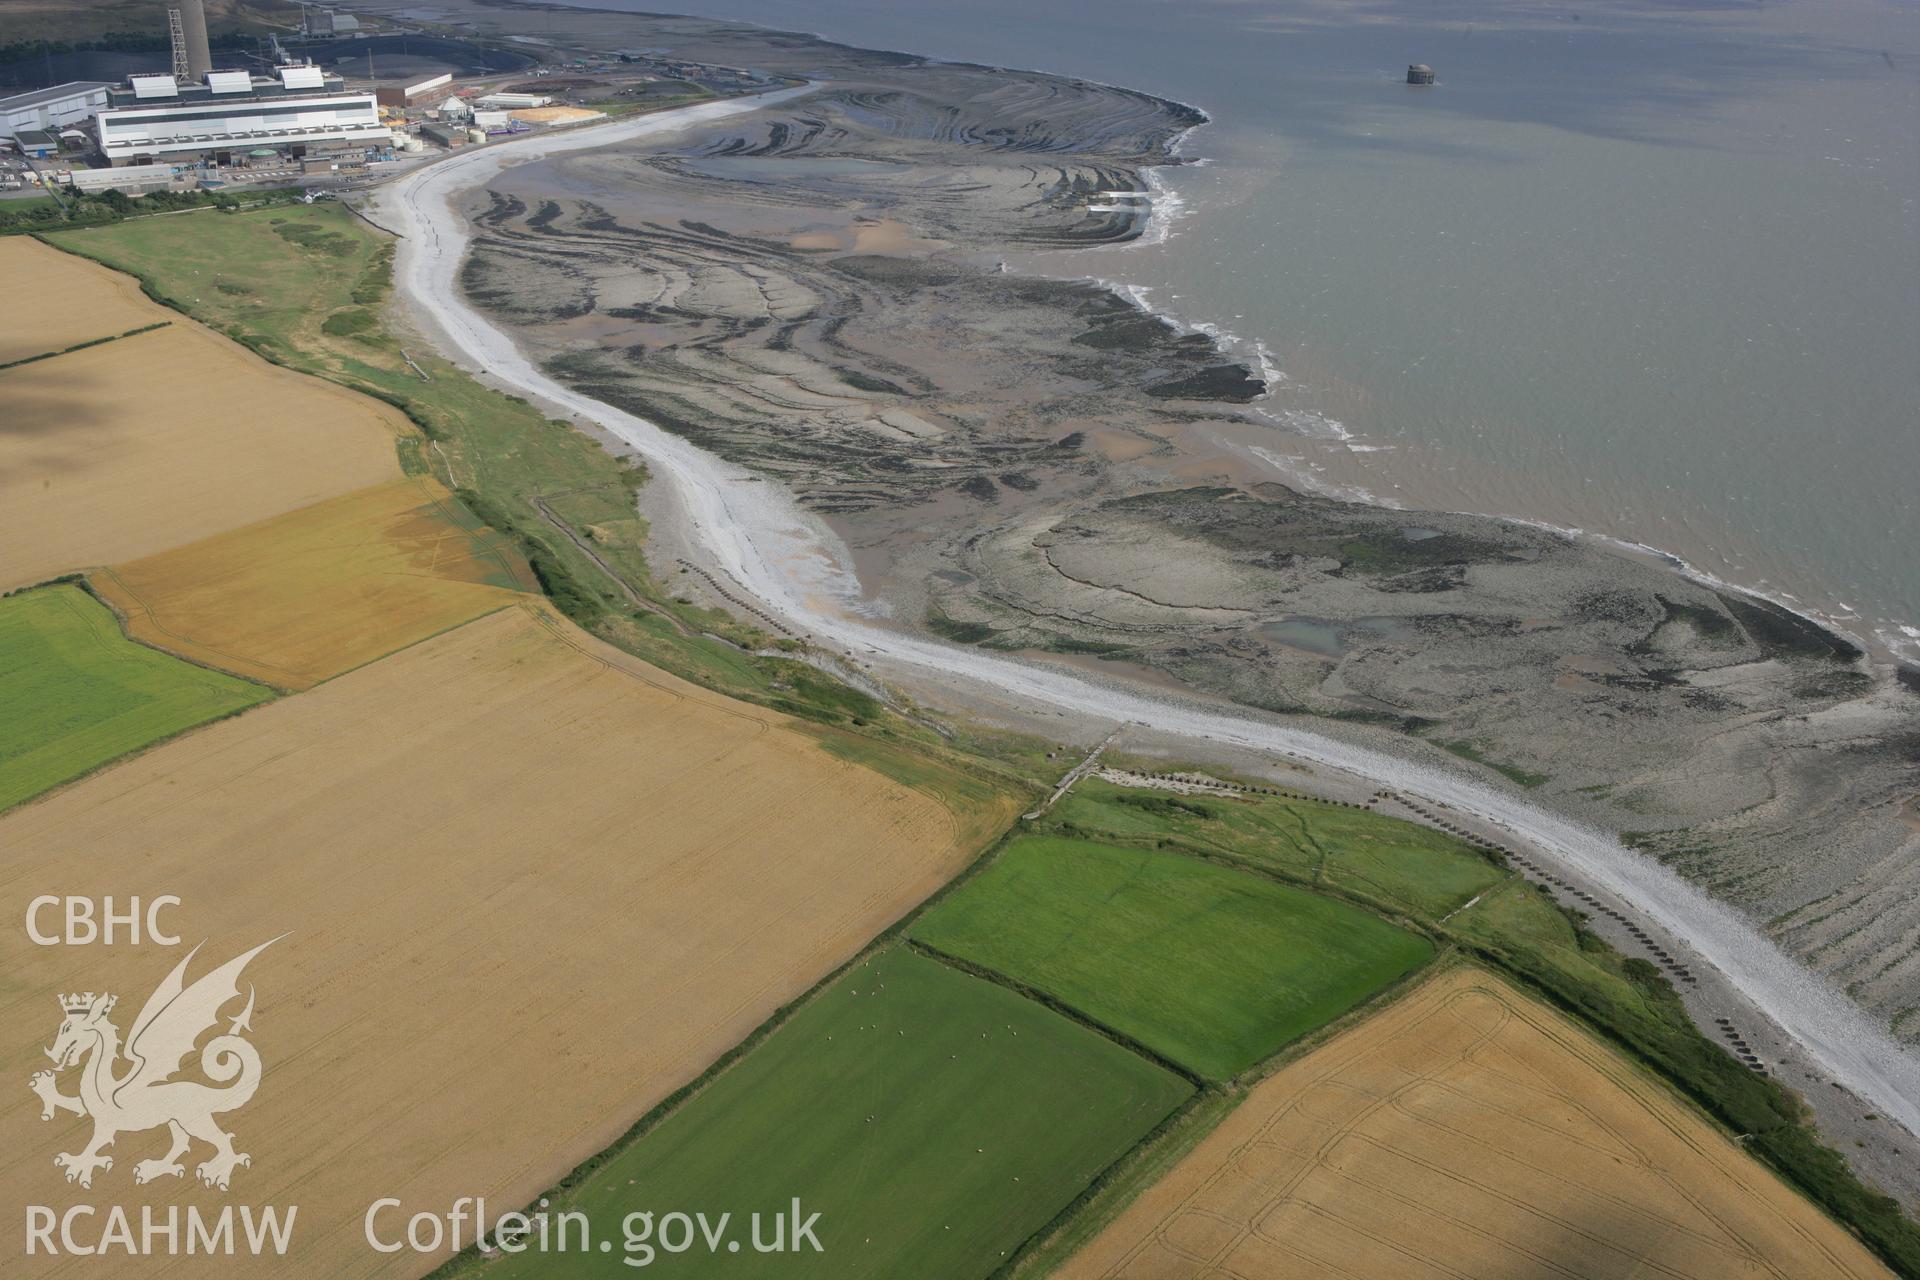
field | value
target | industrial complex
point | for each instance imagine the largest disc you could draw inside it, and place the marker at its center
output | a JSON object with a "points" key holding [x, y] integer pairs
{"points": [[52, 109], [303, 111], [300, 110]]}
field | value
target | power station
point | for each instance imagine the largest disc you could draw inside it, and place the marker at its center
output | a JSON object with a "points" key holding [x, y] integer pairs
{"points": [[198, 113], [230, 114]]}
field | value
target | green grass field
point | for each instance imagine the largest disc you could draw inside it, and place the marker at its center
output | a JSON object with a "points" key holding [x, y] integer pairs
{"points": [[933, 1119], [76, 693], [1394, 864], [1212, 968]]}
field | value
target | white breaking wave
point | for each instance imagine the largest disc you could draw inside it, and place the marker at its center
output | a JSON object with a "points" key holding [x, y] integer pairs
{"points": [[1249, 350], [759, 536], [1305, 474], [1167, 207]]}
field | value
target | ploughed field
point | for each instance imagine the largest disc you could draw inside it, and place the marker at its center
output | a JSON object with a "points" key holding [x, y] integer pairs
{"points": [[70, 302], [933, 1119], [530, 887], [158, 438], [299, 598], [1211, 967], [75, 692], [1467, 1130]]}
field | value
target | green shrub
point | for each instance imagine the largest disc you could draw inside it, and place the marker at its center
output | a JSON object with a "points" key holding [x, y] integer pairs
{"points": [[349, 323], [1164, 805]]}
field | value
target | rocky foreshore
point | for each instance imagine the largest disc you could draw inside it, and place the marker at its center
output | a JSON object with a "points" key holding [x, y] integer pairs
{"points": [[819, 292]]}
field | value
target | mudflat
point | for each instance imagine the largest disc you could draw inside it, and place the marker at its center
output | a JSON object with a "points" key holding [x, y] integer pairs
{"points": [[1038, 465]]}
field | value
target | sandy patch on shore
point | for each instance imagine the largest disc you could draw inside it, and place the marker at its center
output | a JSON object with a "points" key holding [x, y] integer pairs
{"points": [[555, 115]]}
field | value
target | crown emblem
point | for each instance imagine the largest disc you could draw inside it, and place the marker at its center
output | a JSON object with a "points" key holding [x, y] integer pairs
{"points": [[80, 1003]]}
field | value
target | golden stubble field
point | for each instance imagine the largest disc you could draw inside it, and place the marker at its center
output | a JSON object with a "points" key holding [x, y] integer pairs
{"points": [[1467, 1131], [530, 886], [66, 300], [140, 444], [302, 597]]}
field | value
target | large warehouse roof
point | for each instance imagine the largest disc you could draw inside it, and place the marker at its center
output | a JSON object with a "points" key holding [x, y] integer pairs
{"points": [[57, 93], [180, 124]]}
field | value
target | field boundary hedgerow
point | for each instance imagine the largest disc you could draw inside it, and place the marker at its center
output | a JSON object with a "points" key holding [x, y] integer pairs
{"points": [[469, 1259], [82, 346], [1063, 1008], [1661, 1040]]}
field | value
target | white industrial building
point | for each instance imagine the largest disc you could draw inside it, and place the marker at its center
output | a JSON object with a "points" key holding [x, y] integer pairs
{"points": [[134, 179], [231, 113], [49, 110], [512, 101]]}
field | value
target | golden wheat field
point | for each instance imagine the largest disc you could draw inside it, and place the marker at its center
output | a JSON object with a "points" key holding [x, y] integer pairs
{"points": [[529, 886], [1467, 1131], [128, 448], [71, 300], [301, 597]]}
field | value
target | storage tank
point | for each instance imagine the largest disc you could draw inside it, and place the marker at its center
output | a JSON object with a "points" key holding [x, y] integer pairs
{"points": [[476, 135]]}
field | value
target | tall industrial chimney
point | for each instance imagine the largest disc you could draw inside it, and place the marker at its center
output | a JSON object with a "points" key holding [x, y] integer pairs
{"points": [[191, 38]]}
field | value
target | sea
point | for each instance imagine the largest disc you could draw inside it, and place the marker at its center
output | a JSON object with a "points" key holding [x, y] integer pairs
{"points": [[1646, 270]]}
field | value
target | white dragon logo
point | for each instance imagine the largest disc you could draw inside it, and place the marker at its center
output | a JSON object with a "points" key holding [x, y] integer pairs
{"points": [[144, 1096]]}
